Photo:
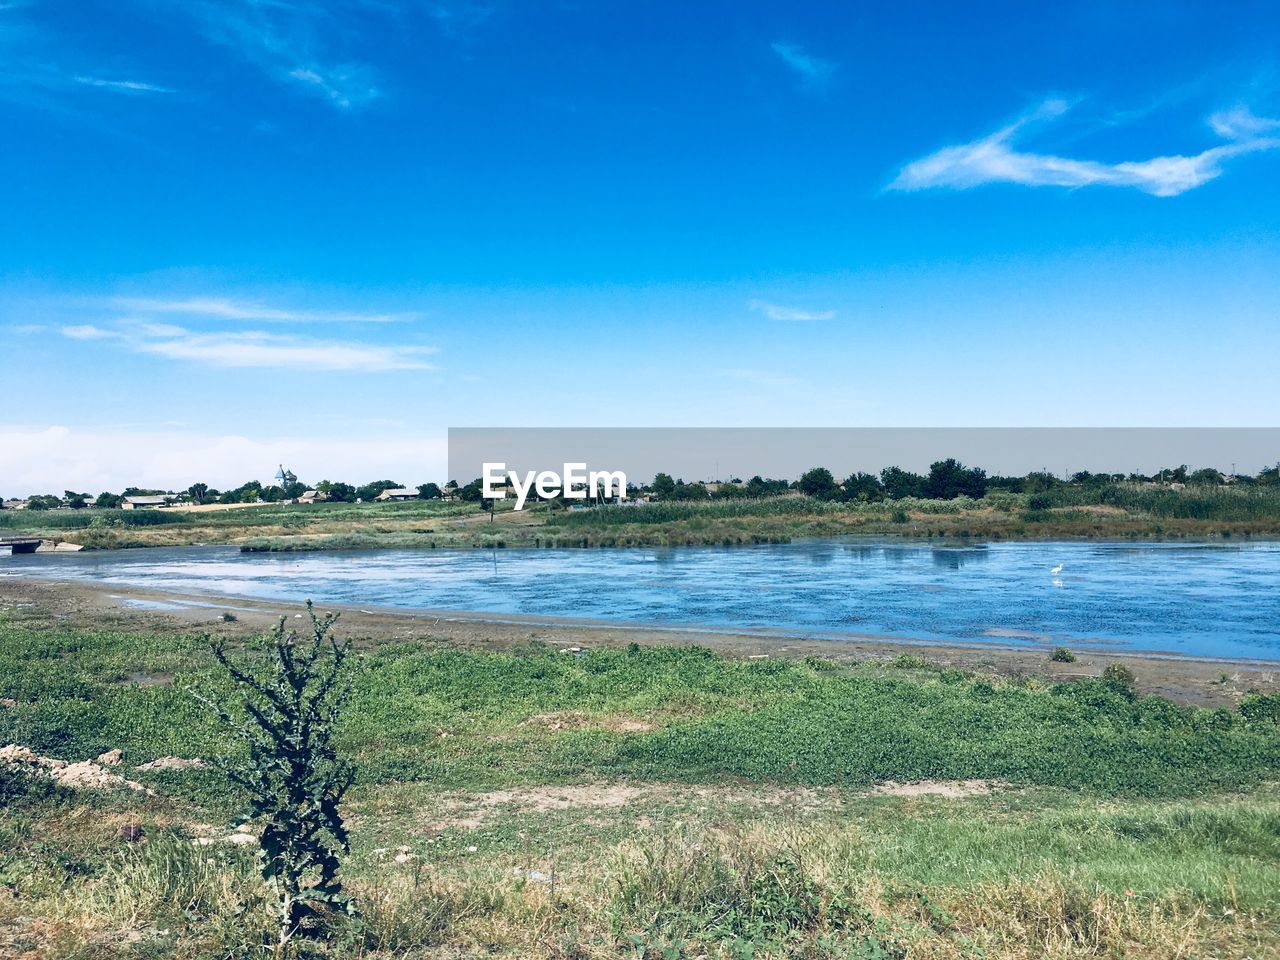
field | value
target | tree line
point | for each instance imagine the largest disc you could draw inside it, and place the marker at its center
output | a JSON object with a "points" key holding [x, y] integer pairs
{"points": [[946, 480]]}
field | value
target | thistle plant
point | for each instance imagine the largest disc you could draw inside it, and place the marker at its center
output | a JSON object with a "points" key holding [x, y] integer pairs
{"points": [[292, 775]]}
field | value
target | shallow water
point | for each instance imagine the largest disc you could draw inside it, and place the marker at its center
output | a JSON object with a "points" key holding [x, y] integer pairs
{"points": [[1200, 599]]}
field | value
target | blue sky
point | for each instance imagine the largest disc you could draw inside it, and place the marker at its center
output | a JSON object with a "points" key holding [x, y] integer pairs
{"points": [[238, 232]]}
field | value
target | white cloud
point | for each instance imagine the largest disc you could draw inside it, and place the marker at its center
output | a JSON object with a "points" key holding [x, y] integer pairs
{"points": [[995, 159], [122, 86], [1240, 123], [815, 72], [224, 309], [290, 42], [86, 331], [57, 458], [344, 86], [263, 350], [776, 311], [256, 349]]}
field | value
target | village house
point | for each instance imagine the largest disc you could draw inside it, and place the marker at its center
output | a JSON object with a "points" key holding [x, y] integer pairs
{"points": [[311, 496], [398, 493], [138, 503]]}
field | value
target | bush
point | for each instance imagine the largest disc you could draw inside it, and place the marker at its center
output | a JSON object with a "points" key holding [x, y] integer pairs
{"points": [[1120, 677], [1261, 707], [1039, 501], [20, 787], [1062, 655]]}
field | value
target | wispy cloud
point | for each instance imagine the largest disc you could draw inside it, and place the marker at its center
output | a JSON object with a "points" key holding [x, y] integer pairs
{"points": [[225, 309], [122, 86], [257, 349], [292, 44], [86, 331], [996, 159], [814, 72], [775, 311]]}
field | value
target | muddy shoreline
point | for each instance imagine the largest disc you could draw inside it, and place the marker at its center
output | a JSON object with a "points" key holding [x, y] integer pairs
{"points": [[67, 604]]}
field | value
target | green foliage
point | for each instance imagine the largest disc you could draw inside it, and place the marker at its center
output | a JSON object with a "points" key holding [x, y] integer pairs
{"points": [[1261, 707], [20, 787], [950, 478], [1119, 677], [1062, 655], [292, 775], [767, 720], [818, 483]]}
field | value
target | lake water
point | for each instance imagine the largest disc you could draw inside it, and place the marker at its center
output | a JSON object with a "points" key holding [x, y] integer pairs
{"points": [[1199, 599]]}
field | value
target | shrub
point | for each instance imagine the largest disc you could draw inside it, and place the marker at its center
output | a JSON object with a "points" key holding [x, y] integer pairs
{"points": [[20, 787], [1039, 501], [293, 776], [1120, 677], [1062, 655], [1261, 707]]}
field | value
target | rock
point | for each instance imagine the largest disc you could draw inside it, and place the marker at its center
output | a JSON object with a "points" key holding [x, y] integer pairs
{"points": [[87, 775], [131, 832], [240, 839], [171, 763], [76, 776], [111, 758], [537, 876]]}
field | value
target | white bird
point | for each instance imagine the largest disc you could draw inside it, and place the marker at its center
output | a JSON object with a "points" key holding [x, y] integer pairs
{"points": [[1058, 569]]}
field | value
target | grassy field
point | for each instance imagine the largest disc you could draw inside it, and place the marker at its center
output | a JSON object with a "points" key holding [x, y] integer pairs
{"points": [[656, 802], [1115, 511]]}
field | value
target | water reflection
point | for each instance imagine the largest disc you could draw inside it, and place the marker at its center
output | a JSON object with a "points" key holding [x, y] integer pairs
{"points": [[1215, 600]]}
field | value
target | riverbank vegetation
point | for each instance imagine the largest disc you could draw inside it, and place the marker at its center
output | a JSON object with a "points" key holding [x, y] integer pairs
{"points": [[952, 501], [650, 802]]}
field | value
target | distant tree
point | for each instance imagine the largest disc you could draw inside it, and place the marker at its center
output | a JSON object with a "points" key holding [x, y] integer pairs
{"points": [[899, 483], [1207, 477], [293, 489], [1174, 474], [198, 491], [76, 501], [471, 492], [818, 483], [272, 494], [370, 491], [690, 491], [1269, 476], [863, 487], [1011, 484], [950, 478], [429, 491], [108, 501], [341, 492], [1040, 481], [663, 486]]}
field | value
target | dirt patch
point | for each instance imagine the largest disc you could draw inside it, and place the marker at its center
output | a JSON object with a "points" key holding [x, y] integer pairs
{"points": [[578, 720], [470, 811], [85, 775], [934, 788]]}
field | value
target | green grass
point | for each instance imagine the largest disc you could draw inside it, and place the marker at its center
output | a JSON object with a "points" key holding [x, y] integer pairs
{"points": [[80, 693], [1120, 826]]}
